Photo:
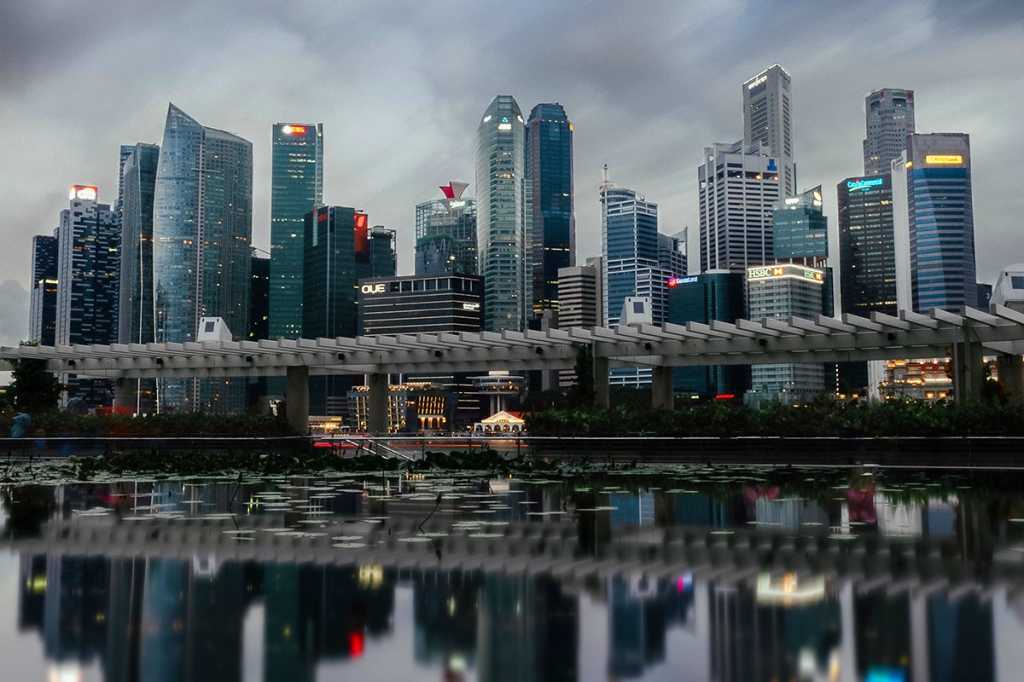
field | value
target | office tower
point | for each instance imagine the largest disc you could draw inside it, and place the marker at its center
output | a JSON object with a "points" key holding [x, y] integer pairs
{"points": [[739, 190], [867, 256], [713, 296], [414, 304], [579, 295], [202, 229], [549, 176], [780, 292], [135, 195], [297, 182], [259, 296], [337, 248], [934, 221], [446, 233], [672, 252], [888, 119], [768, 119], [800, 229], [629, 231], [43, 290], [88, 270], [501, 213], [383, 256]]}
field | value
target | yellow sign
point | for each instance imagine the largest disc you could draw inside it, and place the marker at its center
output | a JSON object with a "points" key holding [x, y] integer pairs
{"points": [[943, 159]]}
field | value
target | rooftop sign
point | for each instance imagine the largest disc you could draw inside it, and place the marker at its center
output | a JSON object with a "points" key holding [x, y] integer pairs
{"points": [[787, 270], [864, 183]]}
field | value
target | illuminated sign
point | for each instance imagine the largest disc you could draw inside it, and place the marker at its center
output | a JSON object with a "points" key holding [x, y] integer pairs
{"points": [[673, 282], [943, 159], [789, 589], [772, 167], [757, 81], [863, 183], [372, 288], [292, 129], [83, 192], [787, 270], [471, 306], [792, 201]]}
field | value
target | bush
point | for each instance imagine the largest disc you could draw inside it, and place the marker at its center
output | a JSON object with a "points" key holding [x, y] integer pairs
{"points": [[158, 425]]}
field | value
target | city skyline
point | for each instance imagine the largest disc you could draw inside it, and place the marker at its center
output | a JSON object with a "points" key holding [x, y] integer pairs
{"points": [[656, 146]]}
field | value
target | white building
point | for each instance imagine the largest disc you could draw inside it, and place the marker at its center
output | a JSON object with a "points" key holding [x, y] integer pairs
{"points": [[768, 119]]}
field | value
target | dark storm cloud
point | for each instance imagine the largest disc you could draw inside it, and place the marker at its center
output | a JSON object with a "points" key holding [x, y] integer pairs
{"points": [[400, 87]]}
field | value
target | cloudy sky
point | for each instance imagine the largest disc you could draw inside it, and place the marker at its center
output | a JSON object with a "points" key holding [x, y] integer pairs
{"points": [[400, 87]]}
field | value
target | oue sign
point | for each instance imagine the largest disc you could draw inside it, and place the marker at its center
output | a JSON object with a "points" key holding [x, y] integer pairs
{"points": [[372, 288]]}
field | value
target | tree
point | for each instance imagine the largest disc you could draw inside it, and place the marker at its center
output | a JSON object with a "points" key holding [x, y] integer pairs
{"points": [[34, 389], [582, 393]]}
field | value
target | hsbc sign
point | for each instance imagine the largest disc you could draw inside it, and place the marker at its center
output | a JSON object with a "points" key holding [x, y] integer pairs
{"points": [[372, 288]]}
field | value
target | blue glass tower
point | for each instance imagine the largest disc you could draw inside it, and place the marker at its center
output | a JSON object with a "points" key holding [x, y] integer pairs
{"points": [[549, 175], [800, 229], [630, 232], [138, 182]]}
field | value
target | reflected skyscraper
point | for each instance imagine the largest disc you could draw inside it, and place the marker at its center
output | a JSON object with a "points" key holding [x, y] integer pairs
{"points": [[202, 229], [501, 214]]}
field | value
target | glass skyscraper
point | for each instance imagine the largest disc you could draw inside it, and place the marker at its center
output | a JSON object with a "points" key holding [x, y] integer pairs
{"points": [[867, 258], [888, 119], [202, 229], [383, 253], [138, 182], [297, 182], [549, 175], [446, 233], [630, 243], [800, 229], [43, 287], [501, 215]]}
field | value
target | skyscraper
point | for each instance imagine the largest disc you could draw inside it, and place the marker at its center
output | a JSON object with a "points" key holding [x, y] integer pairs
{"points": [[202, 229], [383, 253], [259, 296], [501, 214], [297, 181], [446, 233], [629, 230], [934, 220], [768, 119], [135, 194], [738, 189], [43, 289], [800, 229], [888, 119], [867, 258], [579, 295], [549, 175]]}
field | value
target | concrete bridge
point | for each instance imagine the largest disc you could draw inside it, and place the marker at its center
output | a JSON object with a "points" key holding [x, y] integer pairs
{"points": [[966, 336]]}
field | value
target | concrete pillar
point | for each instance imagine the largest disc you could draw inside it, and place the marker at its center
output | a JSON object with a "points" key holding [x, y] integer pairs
{"points": [[377, 403], [1011, 376], [661, 388], [297, 398], [968, 371], [124, 394], [602, 400]]}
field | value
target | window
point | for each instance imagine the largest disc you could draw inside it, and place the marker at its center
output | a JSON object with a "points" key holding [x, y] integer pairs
{"points": [[1017, 281], [638, 307], [209, 327]]}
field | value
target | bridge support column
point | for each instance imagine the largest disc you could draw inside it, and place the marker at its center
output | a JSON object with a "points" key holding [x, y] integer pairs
{"points": [[662, 397], [1011, 376], [124, 394], [297, 398], [968, 371], [602, 400], [377, 403]]}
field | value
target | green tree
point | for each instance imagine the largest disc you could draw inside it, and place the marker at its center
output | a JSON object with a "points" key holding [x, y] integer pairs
{"points": [[582, 393], [33, 389]]}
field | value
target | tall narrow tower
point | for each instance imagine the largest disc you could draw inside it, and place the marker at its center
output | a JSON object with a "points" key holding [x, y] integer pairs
{"points": [[888, 119], [768, 119]]}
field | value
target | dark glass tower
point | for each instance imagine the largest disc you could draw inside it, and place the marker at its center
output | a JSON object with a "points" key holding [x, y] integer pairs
{"points": [[138, 182], [296, 189], [43, 288], [383, 253], [800, 229], [549, 175], [867, 274]]}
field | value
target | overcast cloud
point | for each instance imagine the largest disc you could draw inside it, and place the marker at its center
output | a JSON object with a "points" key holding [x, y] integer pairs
{"points": [[400, 86]]}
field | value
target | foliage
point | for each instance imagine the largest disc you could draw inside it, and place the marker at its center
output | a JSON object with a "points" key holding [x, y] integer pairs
{"points": [[33, 388], [823, 418], [157, 425]]}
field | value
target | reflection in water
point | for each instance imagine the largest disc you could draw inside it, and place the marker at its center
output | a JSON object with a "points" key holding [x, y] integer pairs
{"points": [[936, 610]]}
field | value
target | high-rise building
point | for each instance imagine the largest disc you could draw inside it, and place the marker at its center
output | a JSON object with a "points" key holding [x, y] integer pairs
{"points": [[549, 175], [867, 258], [43, 289], [202, 229], [579, 295], [259, 296], [297, 182], [768, 119], [933, 214], [888, 119], [739, 190], [672, 252], [337, 246], [412, 305], [800, 229], [718, 295], [135, 195], [629, 231], [780, 292], [446, 233], [383, 252], [501, 214], [88, 272]]}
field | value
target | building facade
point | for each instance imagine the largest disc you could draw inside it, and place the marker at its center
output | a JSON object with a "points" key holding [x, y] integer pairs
{"points": [[800, 229], [383, 252], [137, 185], [888, 119], [549, 175], [768, 120], [43, 290], [414, 304], [579, 295], [446, 233], [629, 231], [259, 296], [780, 292], [867, 256], [501, 215], [296, 188], [738, 191], [202, 230]]}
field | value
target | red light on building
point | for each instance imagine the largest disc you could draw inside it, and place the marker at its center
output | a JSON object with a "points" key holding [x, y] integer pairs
{"points": [[673, 282], [83, 192], [292, 129], [725, 396], [356, 644], [362, 237]]}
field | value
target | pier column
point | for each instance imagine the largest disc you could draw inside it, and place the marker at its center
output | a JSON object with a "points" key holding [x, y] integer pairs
{"points": [[662, 397], [602, 400], [968, 371], [377, 403], [124, 393], [297, 398], [1011, 376]]}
